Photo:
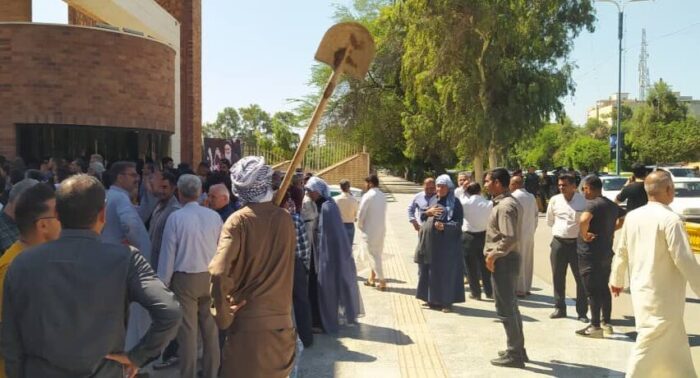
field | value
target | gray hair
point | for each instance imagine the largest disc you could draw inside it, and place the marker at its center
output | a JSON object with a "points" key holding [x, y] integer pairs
{"points": [[465, 174], [190, 186], [19, 188], [657, 182], [221, 188]]}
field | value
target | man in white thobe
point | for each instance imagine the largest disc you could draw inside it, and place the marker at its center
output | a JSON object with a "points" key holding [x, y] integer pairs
{"points": [[654, 246], [527, 240], [371, 220]]}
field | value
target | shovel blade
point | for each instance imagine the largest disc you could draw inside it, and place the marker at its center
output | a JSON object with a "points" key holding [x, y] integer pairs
{"points": [[353, 38]]}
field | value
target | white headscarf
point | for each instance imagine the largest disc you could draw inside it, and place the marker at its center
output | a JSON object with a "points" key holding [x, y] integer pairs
{"points": [[316, 184], [251, 180]]}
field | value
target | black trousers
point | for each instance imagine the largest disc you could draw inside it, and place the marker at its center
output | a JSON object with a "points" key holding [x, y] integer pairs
{"points": [[313, 295], [475, 262], [302, 304], [595, 272], [563, 254]]}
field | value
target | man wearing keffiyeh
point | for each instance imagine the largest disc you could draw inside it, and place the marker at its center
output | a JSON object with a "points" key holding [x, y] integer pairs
{"points": [[252, 278]]}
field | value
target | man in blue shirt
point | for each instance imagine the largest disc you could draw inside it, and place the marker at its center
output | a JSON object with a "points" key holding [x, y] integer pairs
{"points": [[421, 202]]}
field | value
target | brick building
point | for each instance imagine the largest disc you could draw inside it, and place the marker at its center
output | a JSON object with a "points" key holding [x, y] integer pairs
{"points": [[100, 85]]}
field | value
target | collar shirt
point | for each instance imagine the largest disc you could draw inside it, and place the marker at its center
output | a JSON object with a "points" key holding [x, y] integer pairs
{"points": [[303, 248], [348, 206], [563, 216], [189, 241], [476, 213], [503, 228], [157, 227], [460, 194], [420, 203], [123, 223]]}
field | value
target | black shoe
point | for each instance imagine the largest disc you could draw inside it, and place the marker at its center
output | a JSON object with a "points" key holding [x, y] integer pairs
{"points": [[508, 361], [502, 353], [558, 313], [583, 319], [475, 297], [489, 296]]}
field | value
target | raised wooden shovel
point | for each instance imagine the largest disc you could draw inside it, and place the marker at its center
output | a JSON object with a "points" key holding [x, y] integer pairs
{"points": [[348, 47]]}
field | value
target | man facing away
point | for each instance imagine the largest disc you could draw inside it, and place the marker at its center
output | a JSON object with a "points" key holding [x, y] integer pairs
{"points": [[348, 205], [634, 193], [526, 243], [371, 220], [65, 301], [36, 219], [189, 244], [598, 223], [563, 216], [503, 260], [654, 247], [476, 210], [254, 264]]}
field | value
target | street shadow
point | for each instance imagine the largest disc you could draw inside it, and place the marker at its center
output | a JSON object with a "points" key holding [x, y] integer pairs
{"points": [[479, 313], [376, 334], [694, 340], [388, 280], [626, 321], [402, 290], [536, 301], [692, 300], [555, 368]]}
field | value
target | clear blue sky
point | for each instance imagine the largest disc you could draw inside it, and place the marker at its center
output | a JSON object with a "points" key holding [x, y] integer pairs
{"points": [[262, 51]]}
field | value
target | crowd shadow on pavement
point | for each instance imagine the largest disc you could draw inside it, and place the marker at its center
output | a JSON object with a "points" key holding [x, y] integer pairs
{"points": [[479, 313], [376, 334], [557, 368]]}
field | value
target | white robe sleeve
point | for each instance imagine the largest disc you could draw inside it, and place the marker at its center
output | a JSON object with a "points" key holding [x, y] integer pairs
{"points": [[363, 210], [682, 255], [620, 261]]}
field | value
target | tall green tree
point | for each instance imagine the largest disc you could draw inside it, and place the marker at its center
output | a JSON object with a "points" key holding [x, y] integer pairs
{"points": [[254, 119], [226, 125], [479, 75], [585, 153]]}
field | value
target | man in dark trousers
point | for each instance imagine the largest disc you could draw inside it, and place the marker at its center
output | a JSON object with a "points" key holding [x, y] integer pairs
{"points": [[598, 223], [65, 302], [503, 259]]}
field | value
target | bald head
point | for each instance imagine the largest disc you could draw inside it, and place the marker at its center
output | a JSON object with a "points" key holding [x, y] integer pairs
{"points": [[659, 187], [516, 182], [429, 186], [218, 196]]}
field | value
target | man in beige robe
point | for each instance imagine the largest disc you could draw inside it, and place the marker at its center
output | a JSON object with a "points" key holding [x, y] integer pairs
{"points": [[654, 247], [254, 264]]}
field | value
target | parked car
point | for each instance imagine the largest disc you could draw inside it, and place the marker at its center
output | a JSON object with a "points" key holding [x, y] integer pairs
{"points": [[687, 200], [677, 172], [612, 185], [335, 190]]}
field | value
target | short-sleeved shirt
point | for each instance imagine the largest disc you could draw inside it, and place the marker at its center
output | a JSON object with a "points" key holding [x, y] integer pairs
{"points": [[605, 214], [634, 194]]}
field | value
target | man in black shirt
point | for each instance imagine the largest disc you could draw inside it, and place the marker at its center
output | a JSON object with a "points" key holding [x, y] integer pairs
{"points": [[532, 182], [634, 193], [599, 221]]}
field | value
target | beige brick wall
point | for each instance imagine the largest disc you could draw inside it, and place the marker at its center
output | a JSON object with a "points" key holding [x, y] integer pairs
{"points": [[355, 169], [15, 10], [58, 74]]}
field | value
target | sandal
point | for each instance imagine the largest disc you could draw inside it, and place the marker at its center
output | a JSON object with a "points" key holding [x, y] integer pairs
{"points": [[370, 283], [381, 287]]}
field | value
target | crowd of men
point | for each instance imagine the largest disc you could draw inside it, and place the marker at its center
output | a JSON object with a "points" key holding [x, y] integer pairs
{"points": [[182, 259], [497, 245], [108, 271]]}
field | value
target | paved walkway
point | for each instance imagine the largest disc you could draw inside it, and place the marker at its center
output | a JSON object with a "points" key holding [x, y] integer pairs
{"points": [[398, 338]]}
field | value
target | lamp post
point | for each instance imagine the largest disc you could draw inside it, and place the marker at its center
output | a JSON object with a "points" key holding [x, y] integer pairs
{"points": [[620, 4]]}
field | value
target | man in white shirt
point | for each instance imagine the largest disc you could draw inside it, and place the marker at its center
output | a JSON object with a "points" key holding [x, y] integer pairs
{"points": [[476, 215], [654, 246], [421, 202], [371, 220], [563, 213], [527, 234], [348, 206], [463, 181], [189, 244]]}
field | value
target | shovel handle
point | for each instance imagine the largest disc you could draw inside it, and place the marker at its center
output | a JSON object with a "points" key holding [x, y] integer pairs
{"points": [[313, 124]]}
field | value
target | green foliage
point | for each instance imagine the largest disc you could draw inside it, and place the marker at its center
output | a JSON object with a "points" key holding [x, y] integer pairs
{"points": [[227, 125], [597, 129], [662, 131], [585, 153]]}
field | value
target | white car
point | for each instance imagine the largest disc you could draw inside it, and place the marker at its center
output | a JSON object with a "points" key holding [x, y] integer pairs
{"points": [[335, 190], [687, 200], [679, 172], [612, 185]]}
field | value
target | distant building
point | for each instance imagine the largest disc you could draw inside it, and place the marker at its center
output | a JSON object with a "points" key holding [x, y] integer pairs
{"points": [[603, 109]]}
